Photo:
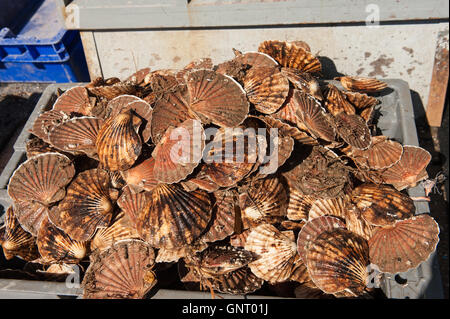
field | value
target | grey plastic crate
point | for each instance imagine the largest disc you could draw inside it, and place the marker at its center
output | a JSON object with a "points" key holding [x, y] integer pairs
{"points": [[396, 121]]}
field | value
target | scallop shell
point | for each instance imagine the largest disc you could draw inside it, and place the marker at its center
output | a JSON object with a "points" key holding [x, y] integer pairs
{"points": [[299, 204], [171, 109], [368, 114], [336, 102], [266, 88], [265, 201], [118, 144], [291, 55], [304, 82], [223, 217], [197, 64], [239, 240], [230, 156], [287, 130], [15, 241], [313, 228], [55, 246], [217, 98], [174, 254], [121, 272], [77, 135], [200, 180], [121, 228], [404, 245], [337, 261], [312, 116], [162, 81], [255, 59], [300, 273], [117, 104], [357, 224], [328, 207], [174, 217], [74, 100], [133, 204], [239, 282], [138, 77], [361, 100], [36, 146], [277, 252], [382, 154], [361, 84], [410, 170], [30, 215], [141, 109], [140, 177], [382, 205], [111, 91], [41, 178], [46, 121], [353, 130], [288, 111], [179, 152], [87, 206]]}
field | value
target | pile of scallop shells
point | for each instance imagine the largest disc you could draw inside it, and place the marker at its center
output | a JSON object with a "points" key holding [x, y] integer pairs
{"points": [[112, 181]]}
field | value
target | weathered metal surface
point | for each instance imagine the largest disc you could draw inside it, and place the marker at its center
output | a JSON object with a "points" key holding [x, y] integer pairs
{"points": [[439, 81], [136, 14]]}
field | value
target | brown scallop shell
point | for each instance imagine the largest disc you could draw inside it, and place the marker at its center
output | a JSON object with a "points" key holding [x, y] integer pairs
{"points": [[200, 180], [55, 246], [291, 55], [289, 130], [357, 224], [239, 240], [405, 244], [361, 100], [276, 250], [41, 178], [140, 177], [368, 114], [288, 111], [46, 121], [74, 100], [228, 169], [121, 228], [361, 84], [337, 261], [299, 204], [174, 254], [382, 205], [382, 154], [265, 200], [179, 152], [138, 77], [216, 98], [162, 81], [353, 130], [336, 101], [311, 114], [174, 217], [304, 82], [197, 64], [266, 88], [239, 282], [223, 217], [255, 59], [313, 228], [118, 143], [15, 241], [36, 146], [121, 272], [120, 102], [171, 109], [87, 206], [30, 215], [410, 170], [133, 203], [77, 135], [141, 109], [111, 91], [328, 207]]}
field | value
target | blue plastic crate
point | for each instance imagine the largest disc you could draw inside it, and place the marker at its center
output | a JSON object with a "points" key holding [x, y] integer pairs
{"points": [[43, 50]]}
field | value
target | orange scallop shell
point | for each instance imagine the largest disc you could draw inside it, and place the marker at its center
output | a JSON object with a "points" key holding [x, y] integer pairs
{"points": [[41, 178], [121, 272], [362, 84], [336, 101], [405, 244], [46, 121], [141, 177], [74, 100]]}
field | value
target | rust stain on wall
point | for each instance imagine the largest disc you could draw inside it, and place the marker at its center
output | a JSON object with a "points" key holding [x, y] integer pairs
{"points": [[378, 64]]}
